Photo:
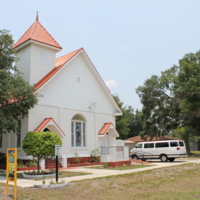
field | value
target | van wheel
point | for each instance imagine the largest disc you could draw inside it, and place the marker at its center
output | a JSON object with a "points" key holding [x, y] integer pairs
{"points": [[134, 157], [163, 158], [171, 159]]}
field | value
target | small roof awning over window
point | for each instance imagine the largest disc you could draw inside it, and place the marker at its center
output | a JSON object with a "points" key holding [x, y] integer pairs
{"points": [[50, 124], [108, 127]]}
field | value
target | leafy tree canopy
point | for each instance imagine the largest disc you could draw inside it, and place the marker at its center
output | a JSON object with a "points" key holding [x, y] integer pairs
{"points": [[40, 144], [129, 124], [135, 122], [122, 121], [16, 95], [173, 98]]}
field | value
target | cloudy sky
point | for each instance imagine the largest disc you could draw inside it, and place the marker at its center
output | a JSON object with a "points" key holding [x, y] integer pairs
{"points": [[127, 40]]}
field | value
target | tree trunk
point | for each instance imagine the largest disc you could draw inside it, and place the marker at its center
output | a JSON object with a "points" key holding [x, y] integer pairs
{"points": [[38, 165], [187, 140]]}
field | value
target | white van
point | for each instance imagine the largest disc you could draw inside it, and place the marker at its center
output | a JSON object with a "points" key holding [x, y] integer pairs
{"points": [[164, 150]]}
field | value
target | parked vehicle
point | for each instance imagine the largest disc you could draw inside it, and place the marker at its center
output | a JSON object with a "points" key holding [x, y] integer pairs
{"points": [[164, 150]]}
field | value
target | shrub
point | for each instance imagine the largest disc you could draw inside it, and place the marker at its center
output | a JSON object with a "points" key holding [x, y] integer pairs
{"points": [[77, 159], [105, 165], [31, 163], [95, 155], [124, 165], [20, 163]]}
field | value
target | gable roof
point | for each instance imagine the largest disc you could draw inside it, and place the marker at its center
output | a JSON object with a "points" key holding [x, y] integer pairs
{"points": [[139, 139], [105, 129], [37, 33], [49, 121], [60, 62]]}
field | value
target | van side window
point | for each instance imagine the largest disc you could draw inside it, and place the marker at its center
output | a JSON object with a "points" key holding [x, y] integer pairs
{"points": [[162, 145], [139, 146], [181, 144], [149, 145], [174, 144]]}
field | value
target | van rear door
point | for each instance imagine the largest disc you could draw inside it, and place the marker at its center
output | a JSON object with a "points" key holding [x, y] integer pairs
{"points": [[182, 147]]}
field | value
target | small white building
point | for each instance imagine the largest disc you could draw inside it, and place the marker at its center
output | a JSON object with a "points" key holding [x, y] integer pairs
{"points": [[74, 102]]}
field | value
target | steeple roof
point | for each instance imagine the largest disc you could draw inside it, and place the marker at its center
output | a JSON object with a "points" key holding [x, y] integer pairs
{"points": [[37, 33]]}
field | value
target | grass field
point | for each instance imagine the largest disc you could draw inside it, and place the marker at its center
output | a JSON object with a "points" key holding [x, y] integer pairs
{"points": [[62, 174], [120, 168], [171, 183]]}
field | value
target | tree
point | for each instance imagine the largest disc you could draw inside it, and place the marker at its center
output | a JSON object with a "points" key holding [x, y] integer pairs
{"points": [[159, 110], [122, 121], [135, 122], [16, 95], [173, 99], [40, 145], [184, 133], [129, 124]]}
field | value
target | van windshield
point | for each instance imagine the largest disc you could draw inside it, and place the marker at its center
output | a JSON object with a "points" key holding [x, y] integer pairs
{"points": [[138, 146]]}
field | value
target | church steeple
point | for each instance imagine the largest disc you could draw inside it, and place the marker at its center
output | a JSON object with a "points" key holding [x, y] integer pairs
{"points": [[36, 50], [38, 34]]}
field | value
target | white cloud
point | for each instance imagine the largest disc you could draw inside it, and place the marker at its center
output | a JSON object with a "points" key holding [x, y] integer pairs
{"points": [[111, 83]]}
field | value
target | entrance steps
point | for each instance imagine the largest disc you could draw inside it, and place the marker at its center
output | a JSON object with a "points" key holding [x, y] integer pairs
{"points": [[51, 164]]}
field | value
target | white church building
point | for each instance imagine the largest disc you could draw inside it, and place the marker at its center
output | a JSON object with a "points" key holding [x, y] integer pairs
{"points": [[73, 100]]}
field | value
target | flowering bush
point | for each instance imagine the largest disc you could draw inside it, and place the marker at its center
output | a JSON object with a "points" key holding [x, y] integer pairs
{"points": [[42, 172]]}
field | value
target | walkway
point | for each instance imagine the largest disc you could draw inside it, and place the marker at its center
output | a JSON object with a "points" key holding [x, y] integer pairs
{"points": [[102, 172]]}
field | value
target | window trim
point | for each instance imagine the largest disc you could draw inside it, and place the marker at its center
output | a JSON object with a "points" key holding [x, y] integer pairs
{"points": [[82, 121]]}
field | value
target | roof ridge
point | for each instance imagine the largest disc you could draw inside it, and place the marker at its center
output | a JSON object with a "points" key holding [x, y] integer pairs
{"points": [[23, 35], [34, 28], [49, 34]]}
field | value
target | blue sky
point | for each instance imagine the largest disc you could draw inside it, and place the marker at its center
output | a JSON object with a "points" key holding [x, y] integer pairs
{"points": [[127, 41]]}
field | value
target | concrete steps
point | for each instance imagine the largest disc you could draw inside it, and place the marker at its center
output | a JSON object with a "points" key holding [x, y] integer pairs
{"points": [[51, 164]]}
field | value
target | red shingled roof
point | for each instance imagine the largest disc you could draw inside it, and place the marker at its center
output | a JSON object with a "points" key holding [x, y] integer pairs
{"points": [[42, 125], [45, 122], [60, 62], [37, 33], [139, 139], [105, 129]]}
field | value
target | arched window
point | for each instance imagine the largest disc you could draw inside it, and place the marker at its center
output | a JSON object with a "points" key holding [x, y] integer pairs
{"points": [[78, 138]]}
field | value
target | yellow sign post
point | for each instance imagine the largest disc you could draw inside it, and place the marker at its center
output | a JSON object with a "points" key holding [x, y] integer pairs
{"points": [[11, 170]]}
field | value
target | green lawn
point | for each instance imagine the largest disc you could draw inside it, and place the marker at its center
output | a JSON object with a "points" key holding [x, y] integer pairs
{"points": [[62, 174], [194, 154], [180, 182], [120, 168]]}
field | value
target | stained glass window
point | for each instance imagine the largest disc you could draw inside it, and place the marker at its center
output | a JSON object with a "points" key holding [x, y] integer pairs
{"points": [[78, 138]]}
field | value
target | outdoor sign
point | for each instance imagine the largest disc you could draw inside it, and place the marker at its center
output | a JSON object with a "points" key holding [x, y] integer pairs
{"points": [[11, 170], [57, 150], [57, 153]]}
